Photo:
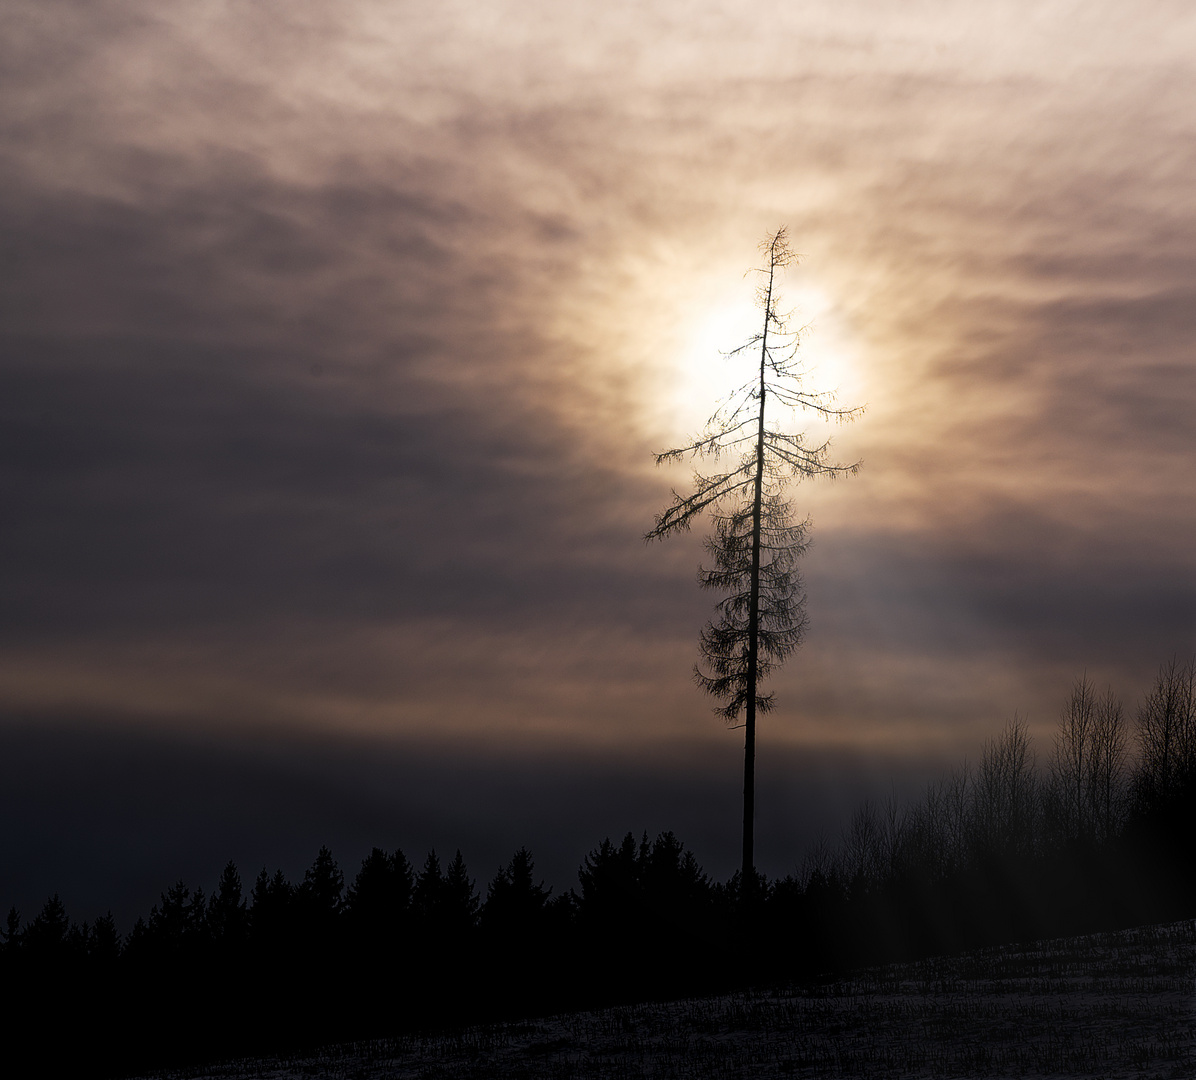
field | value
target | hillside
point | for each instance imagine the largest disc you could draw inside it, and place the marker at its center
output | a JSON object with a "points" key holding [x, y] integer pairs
{"points": [[1105, 1005]]}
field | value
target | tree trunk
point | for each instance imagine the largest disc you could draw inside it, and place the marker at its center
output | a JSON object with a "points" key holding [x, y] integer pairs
{"points": [[748, 873]]}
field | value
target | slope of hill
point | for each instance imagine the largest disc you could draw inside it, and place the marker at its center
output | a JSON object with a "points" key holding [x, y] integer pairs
{"points": [[1105, 1005]]}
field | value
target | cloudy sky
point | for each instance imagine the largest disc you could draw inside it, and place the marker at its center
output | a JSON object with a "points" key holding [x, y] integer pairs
{"points": [[336, 341]]}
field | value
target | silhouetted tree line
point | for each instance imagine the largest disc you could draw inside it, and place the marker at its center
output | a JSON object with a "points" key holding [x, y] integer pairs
{"points": [[284, 964], [1002, 850], [996, 851]]}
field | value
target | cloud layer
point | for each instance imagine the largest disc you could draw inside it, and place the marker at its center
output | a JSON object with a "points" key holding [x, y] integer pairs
{"points": [[335, 347]]}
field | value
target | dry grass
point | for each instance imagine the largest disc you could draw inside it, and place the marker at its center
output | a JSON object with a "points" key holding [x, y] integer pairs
{"points": [[1107, 1005]]}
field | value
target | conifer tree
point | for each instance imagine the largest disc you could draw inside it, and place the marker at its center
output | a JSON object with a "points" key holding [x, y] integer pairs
{"points": [[756, 541], [227, 917], [459, 897], [426, 893], [514, 902], [379, 900], [12, 932]]}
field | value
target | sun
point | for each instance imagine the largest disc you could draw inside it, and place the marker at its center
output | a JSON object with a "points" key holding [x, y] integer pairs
{"points": [[704, 374]]}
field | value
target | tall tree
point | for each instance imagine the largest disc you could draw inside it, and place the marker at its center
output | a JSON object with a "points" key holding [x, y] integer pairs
{"points": [[1087, 764], [515, 903], [1005, 796], [756, 539], [228, 920], [379, 901], [1071, 761], [1167, 740], [1107, 764]]}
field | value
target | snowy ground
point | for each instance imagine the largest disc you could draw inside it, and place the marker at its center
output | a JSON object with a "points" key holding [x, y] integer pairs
{"points": [[1109, 1005]]}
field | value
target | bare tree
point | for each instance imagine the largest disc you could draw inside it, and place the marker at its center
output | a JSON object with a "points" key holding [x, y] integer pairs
{"points": [[959, 791], [1087, 765], [1004, 801], [1107, 760], [1070, 763], [1167, 736], [863, 847], [895, 825], [928, 835], [820, 862], [756, 541]]}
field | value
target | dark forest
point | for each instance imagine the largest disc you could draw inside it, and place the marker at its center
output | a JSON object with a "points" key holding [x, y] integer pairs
{"points": [[999, 851]]}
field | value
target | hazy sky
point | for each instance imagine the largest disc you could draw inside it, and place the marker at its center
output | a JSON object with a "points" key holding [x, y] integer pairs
{"points": [[336, 340]]}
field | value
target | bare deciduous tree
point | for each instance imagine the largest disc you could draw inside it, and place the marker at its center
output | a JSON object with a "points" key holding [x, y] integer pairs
{"points": [[1107, 761], [1070, 764], [863, 859], [1167, 736], [1005, 795], [1087, 765], [756, 540]]}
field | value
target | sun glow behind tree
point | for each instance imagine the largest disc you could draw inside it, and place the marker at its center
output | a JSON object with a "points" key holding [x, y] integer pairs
{"points": [[704, 368]]}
